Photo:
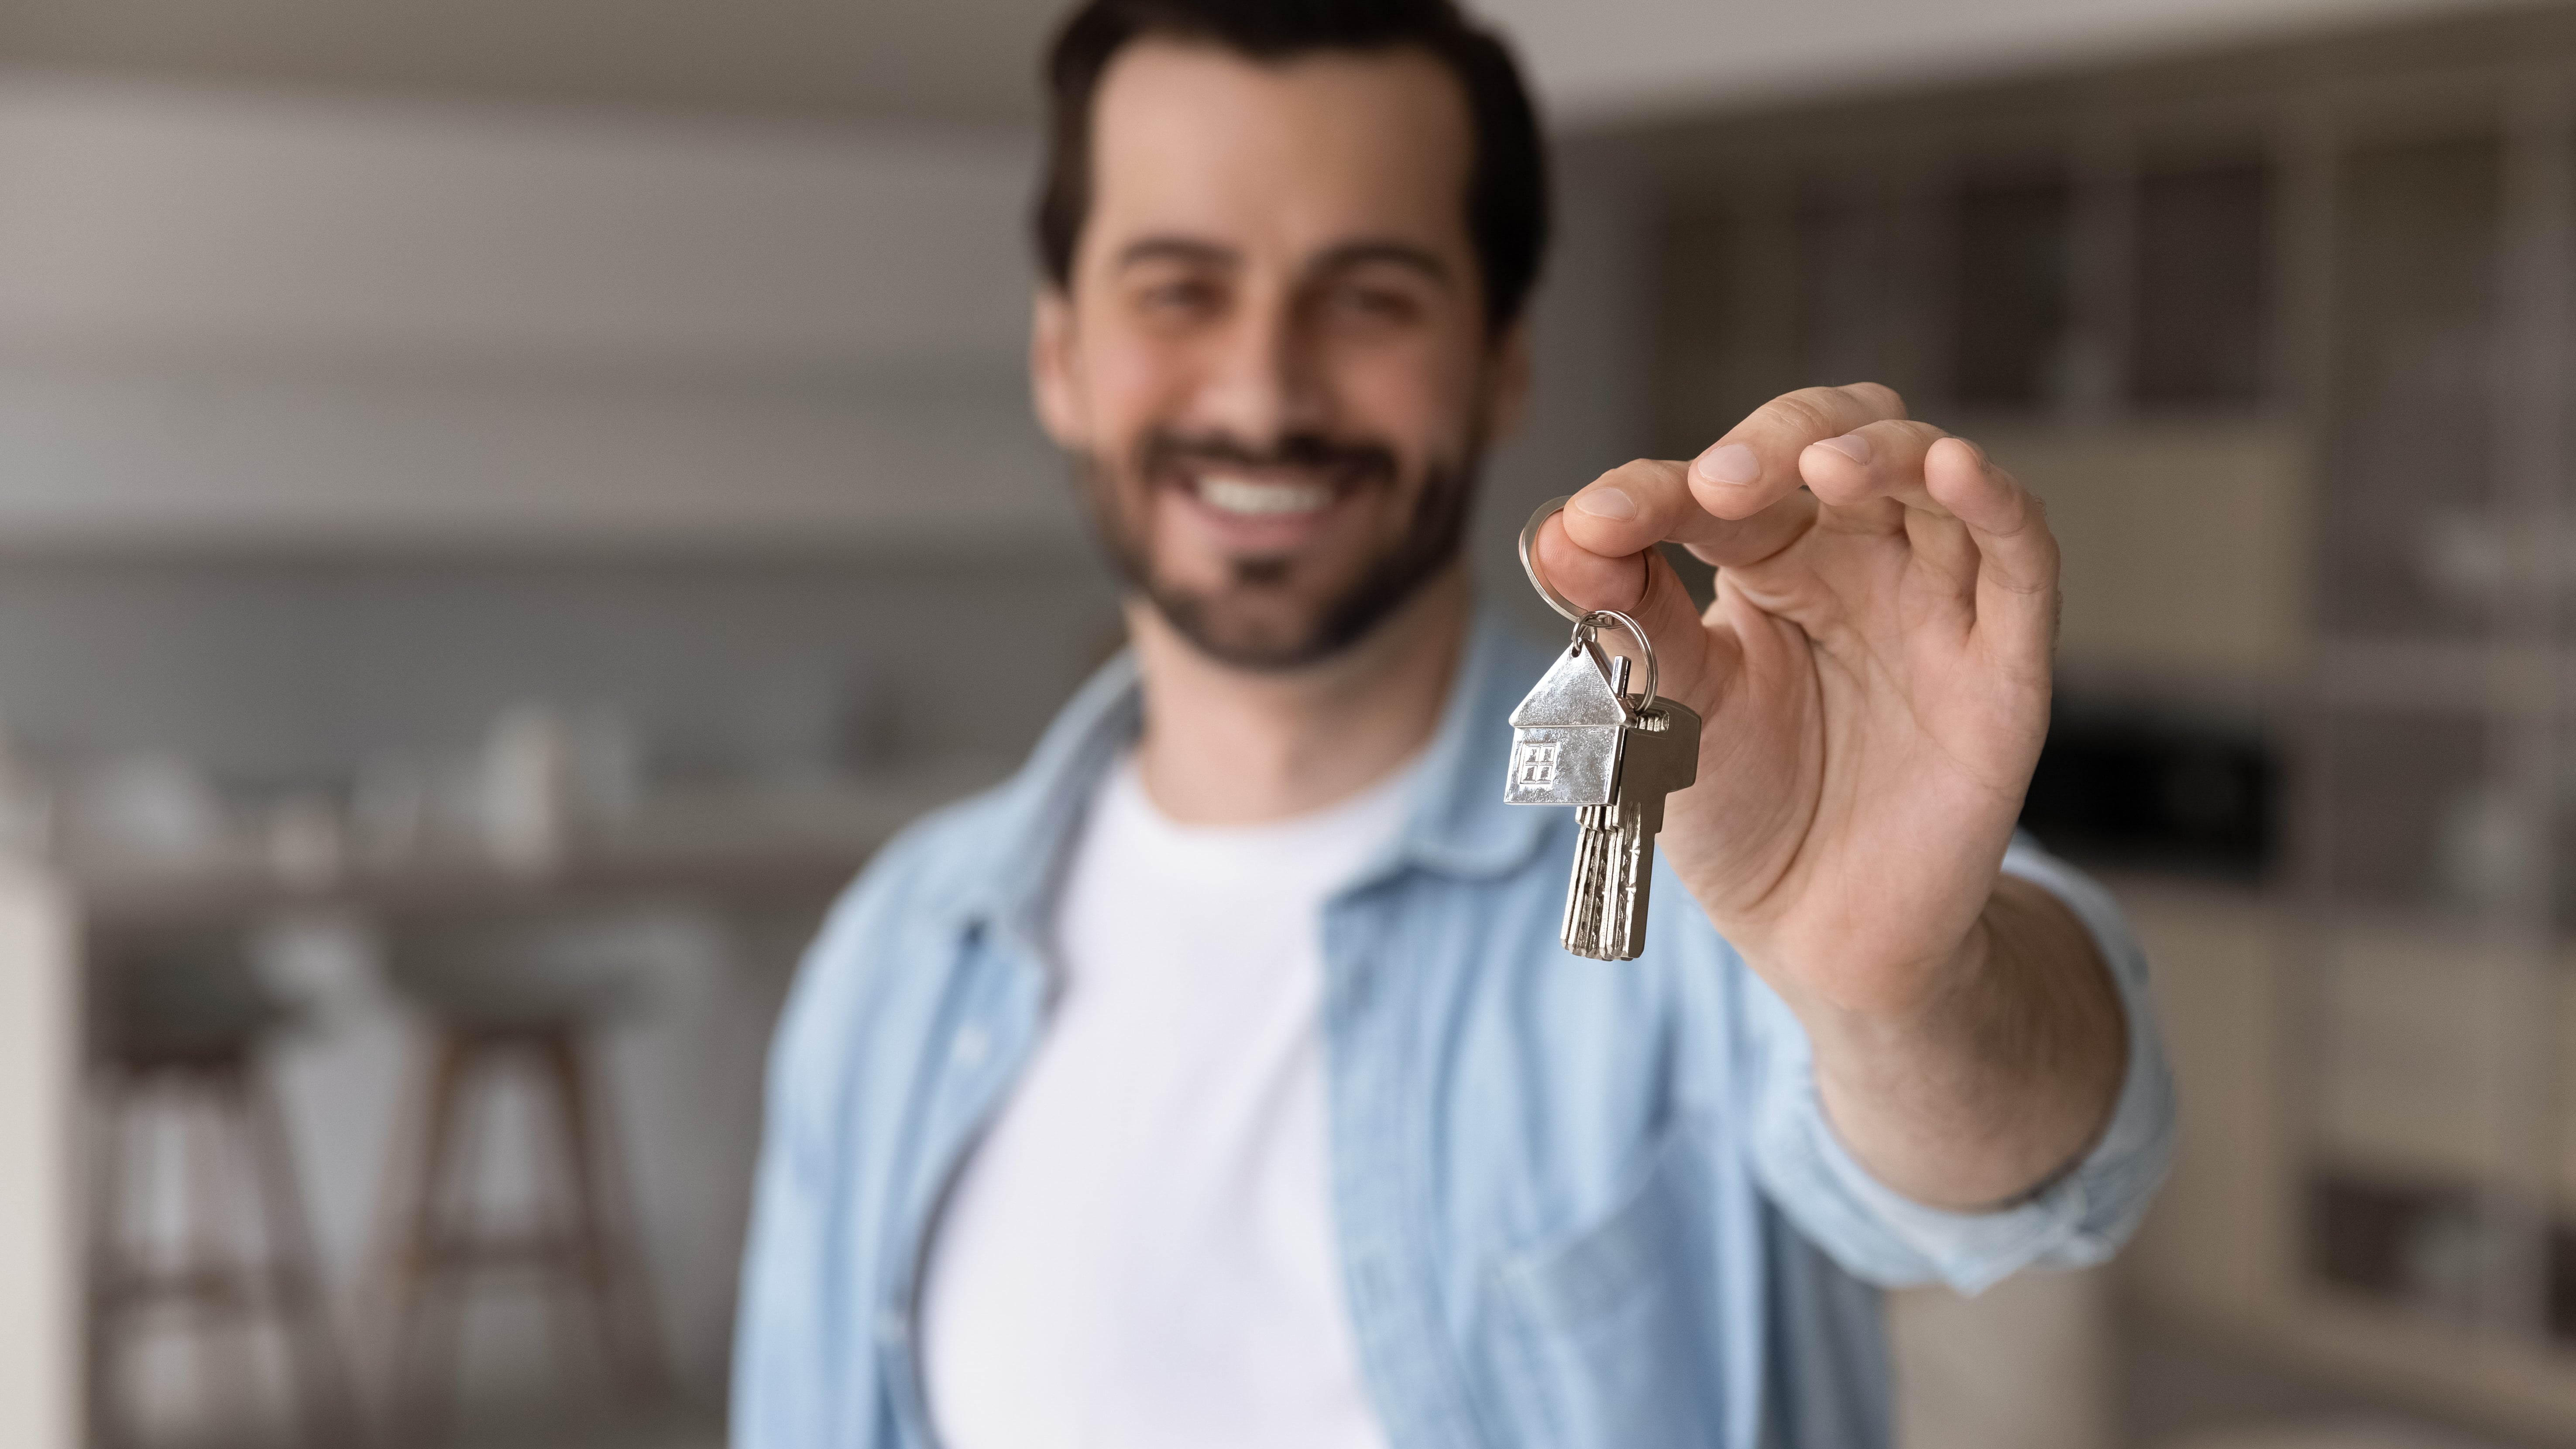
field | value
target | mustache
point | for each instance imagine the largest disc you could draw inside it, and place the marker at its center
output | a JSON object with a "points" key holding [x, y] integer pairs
{"points": [[1365, 460]]}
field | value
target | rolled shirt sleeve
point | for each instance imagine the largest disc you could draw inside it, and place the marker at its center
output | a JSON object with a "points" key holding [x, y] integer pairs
{"points": [[1880, 1234]]}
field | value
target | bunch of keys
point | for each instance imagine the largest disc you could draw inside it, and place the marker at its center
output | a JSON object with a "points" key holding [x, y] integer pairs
{"points": [[1582, 739]]}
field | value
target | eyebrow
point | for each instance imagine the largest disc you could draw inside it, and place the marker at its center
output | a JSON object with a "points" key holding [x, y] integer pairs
{"points": [[1369, 252], [1174, 249]]}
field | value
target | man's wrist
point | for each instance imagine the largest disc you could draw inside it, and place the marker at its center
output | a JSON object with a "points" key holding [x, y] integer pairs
{"points": [[1998, 1077]]}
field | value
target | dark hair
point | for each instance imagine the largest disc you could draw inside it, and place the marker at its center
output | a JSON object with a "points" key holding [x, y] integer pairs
{"points": [[1507, 200]]}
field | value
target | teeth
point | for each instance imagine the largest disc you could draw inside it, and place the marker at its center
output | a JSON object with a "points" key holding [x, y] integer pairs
{"points": [[1244, 495]]}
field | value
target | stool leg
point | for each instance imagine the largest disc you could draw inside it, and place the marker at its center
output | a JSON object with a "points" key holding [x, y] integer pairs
{"points": [[611, 1279], [330, 1419], [419, 1246]]}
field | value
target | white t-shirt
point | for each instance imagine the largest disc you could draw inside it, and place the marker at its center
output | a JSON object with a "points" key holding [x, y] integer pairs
{"points": [[1141, 1253]]}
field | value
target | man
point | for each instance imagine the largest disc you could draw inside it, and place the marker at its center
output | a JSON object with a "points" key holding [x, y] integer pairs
{"points": [[1220, 1080]]}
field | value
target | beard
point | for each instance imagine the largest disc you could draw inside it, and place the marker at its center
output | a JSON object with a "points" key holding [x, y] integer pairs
{"points": [[1215, 620]]}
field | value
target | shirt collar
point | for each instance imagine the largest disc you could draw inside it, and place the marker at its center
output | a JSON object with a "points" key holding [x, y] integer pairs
{"points": [[1458, 824]]}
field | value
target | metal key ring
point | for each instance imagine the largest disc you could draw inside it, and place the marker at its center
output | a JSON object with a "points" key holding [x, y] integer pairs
{"points": [[1529, 565], [1589, 625], [1584, 623]]}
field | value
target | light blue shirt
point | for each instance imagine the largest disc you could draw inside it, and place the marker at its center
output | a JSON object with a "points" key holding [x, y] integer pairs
{"points": [[1578, 1203]]}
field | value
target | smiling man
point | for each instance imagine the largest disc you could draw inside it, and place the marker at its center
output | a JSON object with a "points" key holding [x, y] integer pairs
{"points": [[1219, 1079]]}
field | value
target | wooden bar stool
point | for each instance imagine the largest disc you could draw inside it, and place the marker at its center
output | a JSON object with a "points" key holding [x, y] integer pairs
{"points": [[180, 1017], [498, 995]]}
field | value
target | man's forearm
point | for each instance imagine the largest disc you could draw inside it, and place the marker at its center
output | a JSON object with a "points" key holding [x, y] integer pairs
{"points": [[2000, 1079]]}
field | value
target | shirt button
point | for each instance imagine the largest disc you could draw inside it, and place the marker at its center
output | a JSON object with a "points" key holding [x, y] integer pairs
{"points": [[973, 1044], [891, 1329]]}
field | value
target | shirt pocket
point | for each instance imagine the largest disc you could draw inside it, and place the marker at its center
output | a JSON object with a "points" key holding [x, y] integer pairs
{"points": [[1603, 1337]]}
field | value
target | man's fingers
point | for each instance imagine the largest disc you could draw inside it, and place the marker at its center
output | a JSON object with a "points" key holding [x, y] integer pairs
{"points": [[1756, 463], [1874, 461], [1964, 522], [1645, 588], [1633, 508], [2017, 556], [2008, 523], [1590, 578]]}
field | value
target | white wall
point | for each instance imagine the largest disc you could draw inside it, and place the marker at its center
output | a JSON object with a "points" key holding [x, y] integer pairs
{"points": [[1605, 60], [234, 315]]}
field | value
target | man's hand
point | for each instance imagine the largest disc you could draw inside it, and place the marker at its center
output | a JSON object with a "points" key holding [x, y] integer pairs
{"points": [[1873, 681]]}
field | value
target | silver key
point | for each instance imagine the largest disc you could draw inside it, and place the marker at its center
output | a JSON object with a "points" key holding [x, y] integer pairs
{"points": [[1582, 739]]}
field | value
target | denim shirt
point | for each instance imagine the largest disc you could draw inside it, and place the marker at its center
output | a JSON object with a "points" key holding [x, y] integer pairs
{"points": [[1578, 1203]]}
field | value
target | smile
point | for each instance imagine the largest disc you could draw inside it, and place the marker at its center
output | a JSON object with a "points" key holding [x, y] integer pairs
{"points": [[1257, 498]]}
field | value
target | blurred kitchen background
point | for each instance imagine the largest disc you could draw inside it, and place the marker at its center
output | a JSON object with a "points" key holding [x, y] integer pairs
{"points": [[504, 505]]}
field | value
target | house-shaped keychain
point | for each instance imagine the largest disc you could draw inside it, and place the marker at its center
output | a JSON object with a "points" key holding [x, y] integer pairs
{"points": [[1569, 734], [1580, 740]]}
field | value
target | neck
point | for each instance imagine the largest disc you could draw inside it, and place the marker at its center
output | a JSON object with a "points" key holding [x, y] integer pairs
{"points": [[1231, 746]]}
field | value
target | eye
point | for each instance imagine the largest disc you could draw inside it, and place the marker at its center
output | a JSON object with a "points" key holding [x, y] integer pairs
{"points": [[1375, 303], [1179, 298]]}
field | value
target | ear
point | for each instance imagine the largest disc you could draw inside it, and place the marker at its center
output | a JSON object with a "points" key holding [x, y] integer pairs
{"points": [[1055, 375], [1507, 383]]}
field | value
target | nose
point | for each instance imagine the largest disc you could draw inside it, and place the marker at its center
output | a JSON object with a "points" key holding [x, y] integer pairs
{"points": [[1266, 380]]}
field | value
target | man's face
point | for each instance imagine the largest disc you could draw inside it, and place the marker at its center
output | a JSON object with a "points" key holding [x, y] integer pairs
{"points": [[1271, 359]]}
